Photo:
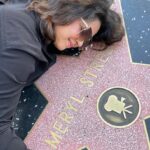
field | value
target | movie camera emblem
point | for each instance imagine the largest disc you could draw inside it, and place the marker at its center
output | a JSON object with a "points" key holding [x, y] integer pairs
{"points": [[118, 107]]}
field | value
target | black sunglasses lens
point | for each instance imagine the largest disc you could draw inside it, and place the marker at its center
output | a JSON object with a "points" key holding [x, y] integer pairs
{"points": [[86, 43], [86, 36]]}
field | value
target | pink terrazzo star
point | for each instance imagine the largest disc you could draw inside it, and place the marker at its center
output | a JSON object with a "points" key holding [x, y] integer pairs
{"points": [[72, 87]]}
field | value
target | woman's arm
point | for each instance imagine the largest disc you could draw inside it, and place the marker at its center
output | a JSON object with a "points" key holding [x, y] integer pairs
{"points": [[10, 92], [15, 68]]}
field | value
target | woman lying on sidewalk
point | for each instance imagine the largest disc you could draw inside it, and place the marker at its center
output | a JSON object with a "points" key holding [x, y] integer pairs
{"points": [[31, 34]]}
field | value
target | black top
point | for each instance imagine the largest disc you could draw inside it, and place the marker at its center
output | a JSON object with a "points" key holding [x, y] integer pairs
{"points": [[23, 58], [23, 52]]}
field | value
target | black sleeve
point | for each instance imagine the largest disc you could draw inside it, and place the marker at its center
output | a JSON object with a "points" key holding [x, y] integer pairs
{"points": [[13, 1], [3, 1], [15, 68], [10, 92]]}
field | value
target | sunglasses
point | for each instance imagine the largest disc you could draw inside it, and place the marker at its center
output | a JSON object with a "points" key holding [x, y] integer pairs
{"points": [[85, 34]]}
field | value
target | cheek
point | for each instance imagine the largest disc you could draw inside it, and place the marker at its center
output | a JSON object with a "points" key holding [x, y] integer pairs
{"points": [[72, 31], [68, 31], [60, 33], [63, 34]]}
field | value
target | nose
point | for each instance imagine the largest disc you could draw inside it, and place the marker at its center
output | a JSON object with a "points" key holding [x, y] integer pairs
{"points": [[76, 42]]}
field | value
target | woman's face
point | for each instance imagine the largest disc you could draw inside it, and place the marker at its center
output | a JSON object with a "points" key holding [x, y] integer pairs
{"points": [[67, 36]]}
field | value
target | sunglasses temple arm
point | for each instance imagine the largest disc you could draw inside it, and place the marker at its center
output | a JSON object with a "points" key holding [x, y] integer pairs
{"points": [[84, 22]]}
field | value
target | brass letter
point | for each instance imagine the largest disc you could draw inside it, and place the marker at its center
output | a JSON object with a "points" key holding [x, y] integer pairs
{"points": [[65, 117], [87, 82], [54, 142], [58, 127], [70, 107], [88, 73], [96, 66], [77, 100]]}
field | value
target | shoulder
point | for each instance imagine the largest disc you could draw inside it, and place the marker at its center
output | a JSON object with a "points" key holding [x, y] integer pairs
{"points": [[18, 26], [16, 12]]}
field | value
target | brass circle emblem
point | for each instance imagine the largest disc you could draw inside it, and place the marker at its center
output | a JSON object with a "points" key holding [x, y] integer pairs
{"points": [[118, 107]]}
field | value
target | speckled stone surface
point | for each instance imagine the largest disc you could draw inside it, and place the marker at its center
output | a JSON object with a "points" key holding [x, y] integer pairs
{"points": [[73, 81]]}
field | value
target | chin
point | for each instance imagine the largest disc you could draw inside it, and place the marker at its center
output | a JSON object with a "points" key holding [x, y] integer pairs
{"points": [[59, 47]]}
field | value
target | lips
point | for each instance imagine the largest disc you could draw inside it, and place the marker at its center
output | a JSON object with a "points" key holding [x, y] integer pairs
{"points": [[69, 44]]}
